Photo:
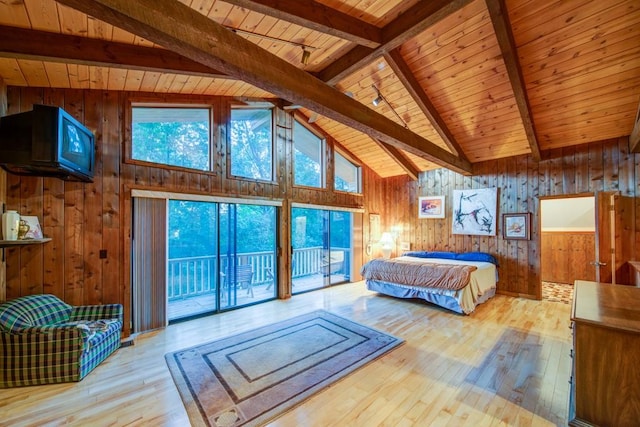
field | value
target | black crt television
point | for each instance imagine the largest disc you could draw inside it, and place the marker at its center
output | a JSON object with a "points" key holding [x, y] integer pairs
{"points": [[47, 141]]}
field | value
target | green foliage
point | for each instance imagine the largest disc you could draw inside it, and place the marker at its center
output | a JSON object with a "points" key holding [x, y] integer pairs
{"points": [[251, 144], [312, 227], [307, 171], [193, 229], [183, 144]]}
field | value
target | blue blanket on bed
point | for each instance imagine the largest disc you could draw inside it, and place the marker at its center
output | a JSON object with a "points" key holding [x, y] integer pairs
{"points": [[466, 256]]}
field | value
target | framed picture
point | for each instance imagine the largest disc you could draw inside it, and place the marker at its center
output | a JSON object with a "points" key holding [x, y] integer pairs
{"points": [[516, 226], [374, 227], [475, 211], [30, 228], [431, 207]]}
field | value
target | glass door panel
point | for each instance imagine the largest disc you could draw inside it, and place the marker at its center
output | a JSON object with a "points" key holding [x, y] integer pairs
{"points": [[340, 226], [248, 242], [220, 256], [309, 240], [192, 259]]}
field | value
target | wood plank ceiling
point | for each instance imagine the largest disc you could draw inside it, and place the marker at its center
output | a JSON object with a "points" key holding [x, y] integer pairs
{"points": [[465, 81]]}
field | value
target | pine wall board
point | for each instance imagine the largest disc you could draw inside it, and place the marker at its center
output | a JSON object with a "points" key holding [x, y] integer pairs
{"points": [[84, 218], [521, 182], [3, 191]]}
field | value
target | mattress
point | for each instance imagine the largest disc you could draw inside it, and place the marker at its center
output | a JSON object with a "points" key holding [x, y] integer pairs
{"points": [[481, 287]]}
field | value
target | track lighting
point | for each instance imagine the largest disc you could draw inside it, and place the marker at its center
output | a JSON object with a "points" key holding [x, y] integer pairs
{"points": [[306, 49], [379, 98], [305, 55]]}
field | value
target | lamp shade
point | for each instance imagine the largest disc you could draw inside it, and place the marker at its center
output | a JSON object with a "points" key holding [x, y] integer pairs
{"points": [[386, 239], [387, 242]]}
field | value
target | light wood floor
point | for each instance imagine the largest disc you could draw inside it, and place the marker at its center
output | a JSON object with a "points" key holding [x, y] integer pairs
{"points": [[506, 364]]}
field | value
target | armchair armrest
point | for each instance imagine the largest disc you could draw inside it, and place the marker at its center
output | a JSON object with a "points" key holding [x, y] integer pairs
{"points": [[97, 312], [51, 333]]}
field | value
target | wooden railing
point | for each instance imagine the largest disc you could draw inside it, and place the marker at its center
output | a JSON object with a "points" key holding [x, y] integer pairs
{"points": [[194, 276]]}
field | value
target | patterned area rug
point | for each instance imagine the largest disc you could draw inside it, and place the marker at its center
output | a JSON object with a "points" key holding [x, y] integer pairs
{"points": [[250, 378], [559, 292]]}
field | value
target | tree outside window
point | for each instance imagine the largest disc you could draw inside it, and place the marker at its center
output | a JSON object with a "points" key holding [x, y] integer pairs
{"points": [[309, 160], [251, 143], [172, 136]]}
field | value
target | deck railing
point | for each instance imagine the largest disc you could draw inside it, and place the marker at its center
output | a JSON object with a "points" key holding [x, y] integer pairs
{"points": [[193, 276]]}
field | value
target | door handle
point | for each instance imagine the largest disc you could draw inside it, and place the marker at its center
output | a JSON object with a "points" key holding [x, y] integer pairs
{"points": [[598, 263]]}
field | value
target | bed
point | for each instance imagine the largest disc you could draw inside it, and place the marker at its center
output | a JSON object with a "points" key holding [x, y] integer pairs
{"points": [[456, 281]]}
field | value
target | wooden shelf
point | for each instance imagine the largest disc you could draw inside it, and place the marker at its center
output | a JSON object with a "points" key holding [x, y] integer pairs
{"points": [[8, 243]]}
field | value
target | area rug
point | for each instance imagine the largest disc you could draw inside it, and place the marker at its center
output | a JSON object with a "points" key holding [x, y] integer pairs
{"points": [[251, 378]]}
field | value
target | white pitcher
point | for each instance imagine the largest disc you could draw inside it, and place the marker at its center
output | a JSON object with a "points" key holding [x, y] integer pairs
{"points": [[10, 224]]}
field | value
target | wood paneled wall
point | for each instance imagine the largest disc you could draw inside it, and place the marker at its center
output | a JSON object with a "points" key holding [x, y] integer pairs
{"points": [[84, 218], [602, 166], [3, 192]]}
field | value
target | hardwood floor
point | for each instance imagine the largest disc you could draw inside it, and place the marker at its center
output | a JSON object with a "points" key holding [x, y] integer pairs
{"points": [[506, 364]]}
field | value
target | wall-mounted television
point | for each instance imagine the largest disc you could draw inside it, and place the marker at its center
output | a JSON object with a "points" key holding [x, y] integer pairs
{"points": [[47, 141]]}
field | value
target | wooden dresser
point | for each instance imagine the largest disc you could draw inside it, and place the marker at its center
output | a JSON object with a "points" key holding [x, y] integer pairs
{"points": [[605, 385]]}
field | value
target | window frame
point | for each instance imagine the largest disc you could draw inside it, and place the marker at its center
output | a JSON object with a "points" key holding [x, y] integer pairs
{"points": [[128, 140], [323, 156], [356, 165], [271, 108]]}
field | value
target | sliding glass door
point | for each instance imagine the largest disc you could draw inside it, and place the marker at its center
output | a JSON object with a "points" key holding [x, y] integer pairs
{"points": [[340, 227], [321, 248], [192, 258], [218, 256], [247, 254]]}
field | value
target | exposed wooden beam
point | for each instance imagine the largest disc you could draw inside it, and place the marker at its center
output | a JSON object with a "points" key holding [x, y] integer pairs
{"points": [[396, 155], [302, 117], [401, 159], [504, 34], [185, 31], [317, 16], [54, 47], [411, 23], [408, 79]]}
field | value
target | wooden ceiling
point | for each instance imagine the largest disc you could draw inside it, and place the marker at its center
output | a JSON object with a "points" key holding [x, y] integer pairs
{"points": [[465, 81]]}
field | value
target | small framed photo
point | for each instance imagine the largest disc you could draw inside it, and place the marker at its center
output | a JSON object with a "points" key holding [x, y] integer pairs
{"points": [[516, 226], [431, 207], [29, 228]]}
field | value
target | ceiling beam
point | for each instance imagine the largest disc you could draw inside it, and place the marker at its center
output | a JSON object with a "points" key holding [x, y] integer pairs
{"points": [[408, 79], [504, 34], [185, 31], [396, 155], [344, 151], [23, 43], [318, 17], [411, 23], [401, 159]]}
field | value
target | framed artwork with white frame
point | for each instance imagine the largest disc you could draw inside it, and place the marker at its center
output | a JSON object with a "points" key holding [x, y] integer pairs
{"points": [[431, 207]]}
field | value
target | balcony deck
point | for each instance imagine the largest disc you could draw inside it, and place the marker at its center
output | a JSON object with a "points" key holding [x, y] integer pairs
{"points": [[200, 304]]}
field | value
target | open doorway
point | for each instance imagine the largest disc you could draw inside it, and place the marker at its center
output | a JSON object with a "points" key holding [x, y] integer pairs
{"points": [[567, 244]]}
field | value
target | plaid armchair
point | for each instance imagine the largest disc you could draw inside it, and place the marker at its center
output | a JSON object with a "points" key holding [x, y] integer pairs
{"points": [[43, 340]]}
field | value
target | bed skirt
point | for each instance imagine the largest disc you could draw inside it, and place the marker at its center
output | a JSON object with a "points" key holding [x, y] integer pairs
{"points": [[448, 299]]}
